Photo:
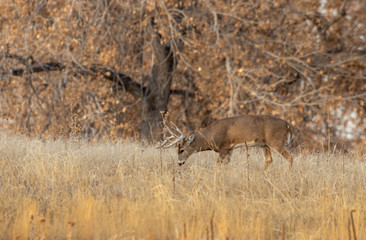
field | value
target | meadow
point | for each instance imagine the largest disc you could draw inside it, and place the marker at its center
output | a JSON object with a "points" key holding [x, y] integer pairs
{"points": [[73, 189]]}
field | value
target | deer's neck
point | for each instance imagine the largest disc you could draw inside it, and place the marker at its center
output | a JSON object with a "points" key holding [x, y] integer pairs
{"points": [[202, 143]]}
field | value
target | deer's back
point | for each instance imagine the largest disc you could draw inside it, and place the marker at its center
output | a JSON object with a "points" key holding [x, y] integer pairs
{"points": [[250, 128]]}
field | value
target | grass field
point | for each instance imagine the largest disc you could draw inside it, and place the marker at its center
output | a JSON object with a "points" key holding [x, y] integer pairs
{"points": [[78, 190]]}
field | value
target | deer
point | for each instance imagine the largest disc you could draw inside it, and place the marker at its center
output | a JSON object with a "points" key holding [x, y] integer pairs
{"points": [[222, 136]]}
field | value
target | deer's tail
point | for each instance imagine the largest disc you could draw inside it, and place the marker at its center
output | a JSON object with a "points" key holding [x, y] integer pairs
{"points": [[289, 134]]}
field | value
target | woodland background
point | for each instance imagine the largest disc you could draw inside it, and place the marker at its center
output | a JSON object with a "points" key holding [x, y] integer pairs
{"points": [[108, 69]]}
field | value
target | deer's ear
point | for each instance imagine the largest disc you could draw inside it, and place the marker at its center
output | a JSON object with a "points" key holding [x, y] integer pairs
{"points": [[190, 138]]}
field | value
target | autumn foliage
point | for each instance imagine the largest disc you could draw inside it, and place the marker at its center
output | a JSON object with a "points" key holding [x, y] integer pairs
{"points": [[303, 61]]}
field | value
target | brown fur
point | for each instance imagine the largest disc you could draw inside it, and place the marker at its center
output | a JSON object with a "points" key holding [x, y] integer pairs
{"points": [[223, 135]]}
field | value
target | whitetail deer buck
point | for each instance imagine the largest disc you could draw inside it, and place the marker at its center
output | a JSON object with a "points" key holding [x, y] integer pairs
{"points": [[224, 135]]}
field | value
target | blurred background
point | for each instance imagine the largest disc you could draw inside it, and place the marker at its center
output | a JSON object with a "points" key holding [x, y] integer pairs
{"points": [[110, 69]]}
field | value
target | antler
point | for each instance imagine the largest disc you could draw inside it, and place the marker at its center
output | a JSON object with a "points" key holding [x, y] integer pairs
{"points": [[173, 135]]}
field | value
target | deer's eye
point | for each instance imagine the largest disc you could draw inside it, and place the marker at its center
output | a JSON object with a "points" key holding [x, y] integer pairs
{"points": [[181, 151]]}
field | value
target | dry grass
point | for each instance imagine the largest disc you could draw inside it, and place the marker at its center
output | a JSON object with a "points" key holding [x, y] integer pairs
{"points": [[78, 190]]}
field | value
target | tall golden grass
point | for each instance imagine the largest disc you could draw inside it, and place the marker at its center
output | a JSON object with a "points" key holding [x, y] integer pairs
{"points": [[78, 190]]}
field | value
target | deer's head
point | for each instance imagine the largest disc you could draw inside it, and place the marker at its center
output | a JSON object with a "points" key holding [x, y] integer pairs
{"points": [[185, 149]]}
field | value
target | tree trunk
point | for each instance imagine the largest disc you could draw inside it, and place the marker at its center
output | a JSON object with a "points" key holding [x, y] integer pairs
{"points": [[156, 96]]}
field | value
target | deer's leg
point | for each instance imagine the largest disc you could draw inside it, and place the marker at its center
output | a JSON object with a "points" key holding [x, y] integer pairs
{"points": [[288, 157], [224, 157], [268, 157], [285, 154], [228, 157]]}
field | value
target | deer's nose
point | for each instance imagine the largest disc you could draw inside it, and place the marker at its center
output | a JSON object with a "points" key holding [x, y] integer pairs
{"points": [[181, 163]]}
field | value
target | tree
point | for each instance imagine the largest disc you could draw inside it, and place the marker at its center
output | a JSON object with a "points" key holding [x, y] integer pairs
{"points": [[303, 61]]}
